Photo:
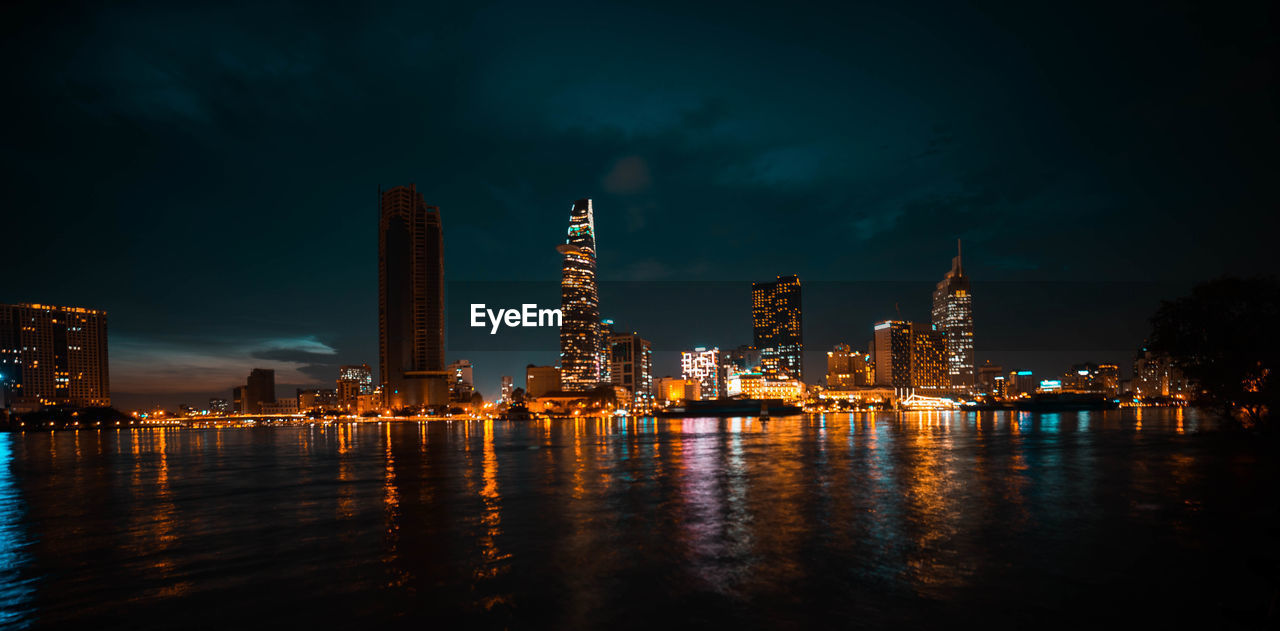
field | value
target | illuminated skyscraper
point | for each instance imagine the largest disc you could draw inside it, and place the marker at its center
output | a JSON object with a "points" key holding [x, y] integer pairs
{"points": [[892, 351], [703, 365], [909, 355], [632, 368], [579, 303], [953, 317], [775, 316], [410, 300], [606, 363], [53, 356]]}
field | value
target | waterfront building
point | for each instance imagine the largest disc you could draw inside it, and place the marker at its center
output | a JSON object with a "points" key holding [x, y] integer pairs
{"points": [[240, 399], [891, 344], [953, 318], [317, 399], [410, 300], [220, 406], [631, 367], [354, 382], [1095, 378], [1155, 375], [754, 385], [260, 389], [539, 380], [909, 356], [461, 382], [777, 326], [53, 355], [847, 368], [579, 303], [279, 406], [702, 364], [929, 360], [987, 375], [1020, 382], [671, 390], [360, 377]]}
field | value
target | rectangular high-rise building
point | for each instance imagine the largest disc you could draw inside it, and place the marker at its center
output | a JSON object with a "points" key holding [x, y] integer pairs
{"points": [[775, 316], [631, 359], [953, 317], [53, 356], [580, 345], [908, 355], [260, 390], [410, 300]]}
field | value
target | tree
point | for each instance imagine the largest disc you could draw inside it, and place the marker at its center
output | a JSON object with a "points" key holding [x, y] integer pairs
{"points": [[1223, 338]]}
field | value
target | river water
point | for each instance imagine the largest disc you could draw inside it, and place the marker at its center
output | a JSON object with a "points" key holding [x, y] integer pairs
{"points": [[865, 520]]}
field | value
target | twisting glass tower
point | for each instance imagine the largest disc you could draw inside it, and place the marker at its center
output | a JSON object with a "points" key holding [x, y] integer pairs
{"points": [[953, 317], [579, 303]]}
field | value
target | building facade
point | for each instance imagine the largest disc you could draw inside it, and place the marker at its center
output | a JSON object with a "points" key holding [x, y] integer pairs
{"points": [[540, 380], [580, 356], [631, 359], [777, 326], [53, 356], [260, 390], [508, 389], [953, 318], [847, 368], [704, 366], [410, 300], [760, 386], [669, 390], [461, 382], [990, 379], [909, 355]]}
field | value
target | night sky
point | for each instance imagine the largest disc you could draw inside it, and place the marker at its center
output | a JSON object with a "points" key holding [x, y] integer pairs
{"points": [[209, 176]]}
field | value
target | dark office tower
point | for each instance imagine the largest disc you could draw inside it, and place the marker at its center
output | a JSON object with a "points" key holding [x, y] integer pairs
{"points": [[953, 317], [410, 300], [260, 389], [579, 303], [775, 313], [53, 356]]}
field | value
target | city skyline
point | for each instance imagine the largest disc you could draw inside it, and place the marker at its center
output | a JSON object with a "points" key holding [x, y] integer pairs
{"points": [[1051, 160]]}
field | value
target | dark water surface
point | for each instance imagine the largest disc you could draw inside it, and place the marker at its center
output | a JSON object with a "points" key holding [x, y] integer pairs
{"points": [[883, 519]]}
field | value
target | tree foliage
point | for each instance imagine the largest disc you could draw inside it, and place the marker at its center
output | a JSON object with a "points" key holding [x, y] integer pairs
{"points": [[1224, 339]]}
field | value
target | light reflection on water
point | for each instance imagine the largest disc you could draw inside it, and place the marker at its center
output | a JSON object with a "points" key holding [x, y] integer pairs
{"points": [[15, 589], [832, 519]]}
